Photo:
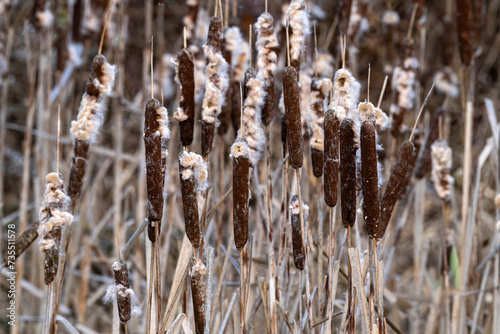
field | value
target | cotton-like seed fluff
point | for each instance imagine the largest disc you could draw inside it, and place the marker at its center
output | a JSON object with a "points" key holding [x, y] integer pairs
{"points": [[298, 18], [441, 165], [252, 126]]}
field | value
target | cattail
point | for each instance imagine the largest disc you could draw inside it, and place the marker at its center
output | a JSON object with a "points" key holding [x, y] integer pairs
{"points": [[42, 17], [253, 131], [403, 85], [331, 158], [394, 186], [299, 255], [345, 95], [424, 164], [381, 120], [185, 78], [298, 19], [216, 83], [23, 242], [155, 163], [267, 58], [198, 290], [292, 114], [53, 217], [189, 21], [250, 74], [369, 175], [348, 150], [441, 165], [194, 177], [391, 18], [90, 117], [412, 162], [123, 292], [464, 30], [240, 154], [319, 92], [238, 47]]}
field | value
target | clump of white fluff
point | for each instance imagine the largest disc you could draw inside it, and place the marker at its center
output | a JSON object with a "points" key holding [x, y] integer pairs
{"points": [[294, 207], [441, 165], [381, 119], [321, 88], [324, 65], [54, 208], [197, 268], [298, 19], [366, 111], [403, 83], [163, 128], [118, 289], [345, 95], [91, 111], [447, 82], [253, 131], [267, 44], [239, 149], [217, 82], [203, 21], [357, 20], [179, 115], [44, 18], [390, 18], [239, 52], [194, 165]]}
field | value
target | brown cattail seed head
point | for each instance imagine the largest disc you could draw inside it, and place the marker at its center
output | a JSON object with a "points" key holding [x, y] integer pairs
{"points": [[464, 30], [124, 293], [348, 172], [292, 116], [331, 158], [185, 113], [394, 186], [299, 256], [441, 165], [198, 290], [154, 167], [369, 175], [240, 154]]}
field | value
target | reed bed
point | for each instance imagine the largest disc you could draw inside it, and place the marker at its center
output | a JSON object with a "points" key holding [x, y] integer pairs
{"points": [[237, 178]]}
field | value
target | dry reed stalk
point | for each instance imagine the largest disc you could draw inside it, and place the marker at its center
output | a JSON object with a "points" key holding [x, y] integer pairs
{"points": [[216, 84], [267, 58], [299, 254], [394, 186], [90, 117], [331, 158], [292, 117], [424, 163], [193, 178], [240, 154], [319, 92], [348, 148], [185, 113], [464, 30], [298, 20], [189, 21], [198, 290]]}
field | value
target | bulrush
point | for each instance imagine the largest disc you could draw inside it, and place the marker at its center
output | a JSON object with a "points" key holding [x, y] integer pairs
{"points": [[319, 93], [53, 216], [90, 117], [299, 252], [216, 83], [292, 116], [441, 165], [240, 154], [194, 177], [185, 112]]}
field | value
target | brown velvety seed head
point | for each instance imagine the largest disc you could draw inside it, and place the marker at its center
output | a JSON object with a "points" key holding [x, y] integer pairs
{"points": [[292, 114], [298, 247], [186, 80], [241, 168], [348, 172], [331, 158], [190, 208]]}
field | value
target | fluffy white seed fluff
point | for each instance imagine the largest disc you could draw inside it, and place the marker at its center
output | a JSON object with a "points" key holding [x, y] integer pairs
{"points": [[117, 289], [441, 165], [381, 119], [253, 131], [267, 44], [197, 268], [357, 22], [45, 18], [298, 18], [345, 95], [163, 128], [54, 208], [403, 83], [91, 111], [217, 82], [447, 82], [202, 23], [195, 165], [294, 208], [239, 52], [390, 18], [240, 149], [324, 65], [366, 111], [317, 112], [188, 21]]}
